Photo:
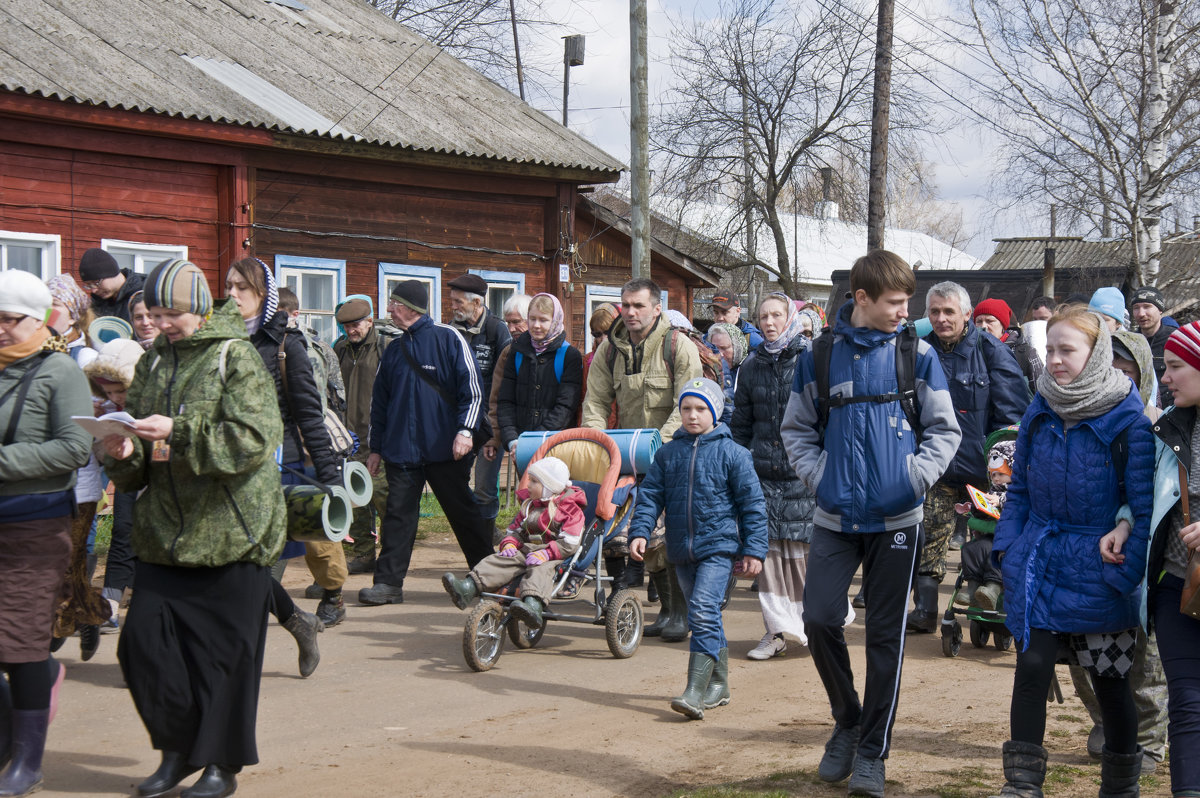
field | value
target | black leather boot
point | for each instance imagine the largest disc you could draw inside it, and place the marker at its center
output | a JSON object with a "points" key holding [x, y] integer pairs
{"points": [[304, 626], [676, 628], [24, 775], [924, 617], [215, 782], [1024, 770], [173, 769], [1119, 774], [659, 580]]}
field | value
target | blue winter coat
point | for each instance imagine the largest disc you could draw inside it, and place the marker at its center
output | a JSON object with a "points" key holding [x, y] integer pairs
{"points": [[410, 422], [989, 392], [868, 470], [753, 334], [1062, 500], [714, 505]]}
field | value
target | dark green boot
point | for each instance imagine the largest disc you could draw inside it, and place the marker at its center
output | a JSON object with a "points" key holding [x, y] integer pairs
{"points": [[529, 610], [659, 580], [700, 671], [717, 694], [461, 591], [677, 627]]}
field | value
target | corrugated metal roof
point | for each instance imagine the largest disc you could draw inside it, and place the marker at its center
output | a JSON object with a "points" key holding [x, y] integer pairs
{"points": [[339, 69]]}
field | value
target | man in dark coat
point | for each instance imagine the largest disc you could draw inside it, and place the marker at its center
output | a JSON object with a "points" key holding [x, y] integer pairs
{"points": [[726, 309], [110, 286], [988, 391], [486, 336], [1146, 308]]}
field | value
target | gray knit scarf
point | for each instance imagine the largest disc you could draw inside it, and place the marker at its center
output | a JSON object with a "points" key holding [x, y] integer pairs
{"points": [[1098, 388]]}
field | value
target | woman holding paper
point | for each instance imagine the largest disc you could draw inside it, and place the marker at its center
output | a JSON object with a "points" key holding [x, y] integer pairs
{"points": [[40, 389], [207, 525]]}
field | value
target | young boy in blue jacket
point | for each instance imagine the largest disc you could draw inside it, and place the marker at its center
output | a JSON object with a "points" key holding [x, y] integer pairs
{"points": [[716, 525], [869, 470]]}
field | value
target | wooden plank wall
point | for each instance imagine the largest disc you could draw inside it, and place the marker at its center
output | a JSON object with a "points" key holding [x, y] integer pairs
{"points": [[85, 196]]}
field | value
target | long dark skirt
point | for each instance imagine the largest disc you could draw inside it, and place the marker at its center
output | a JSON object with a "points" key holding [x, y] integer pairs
{"points": [[80, 604], [33, 563], [191, 651]]}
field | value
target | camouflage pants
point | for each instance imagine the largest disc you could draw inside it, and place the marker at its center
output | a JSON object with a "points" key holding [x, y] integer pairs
{"points": [[362, 525], [940, 520], [1149, 686]]}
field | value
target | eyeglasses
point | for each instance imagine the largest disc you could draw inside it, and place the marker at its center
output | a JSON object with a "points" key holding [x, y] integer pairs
{"points": [[11, 321], [90, 285]]}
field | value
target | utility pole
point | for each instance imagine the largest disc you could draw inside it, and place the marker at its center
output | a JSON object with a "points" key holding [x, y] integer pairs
{"points": [[1048, 256], [877, 180], [512, 12], [639, 140], [572, 57], [747, 177]]}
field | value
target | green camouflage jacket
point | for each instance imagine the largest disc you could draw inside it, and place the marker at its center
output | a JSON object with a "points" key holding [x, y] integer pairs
{"points": [[218, 499]]}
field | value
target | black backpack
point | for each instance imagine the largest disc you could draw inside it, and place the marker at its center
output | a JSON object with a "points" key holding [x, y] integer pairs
{"points": [[906, 380]]}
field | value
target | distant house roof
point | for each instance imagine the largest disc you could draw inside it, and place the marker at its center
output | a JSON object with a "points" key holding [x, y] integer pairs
{"points": [[337, 69], [1179, 266], [687, 242]]}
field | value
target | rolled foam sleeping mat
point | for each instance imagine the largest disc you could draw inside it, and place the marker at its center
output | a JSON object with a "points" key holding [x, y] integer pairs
{"points": [[313, 514], [357, 481], [637, 448]]}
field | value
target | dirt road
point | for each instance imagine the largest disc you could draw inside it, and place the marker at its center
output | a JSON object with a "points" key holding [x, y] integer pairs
{"points": [[393, 710]]}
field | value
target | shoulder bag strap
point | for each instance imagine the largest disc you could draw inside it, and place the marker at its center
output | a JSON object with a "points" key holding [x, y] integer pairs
{"points": [[420, 372], [22, 390]]}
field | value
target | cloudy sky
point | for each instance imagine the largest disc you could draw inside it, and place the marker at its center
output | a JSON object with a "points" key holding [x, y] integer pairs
{"points": [[599, 94]]}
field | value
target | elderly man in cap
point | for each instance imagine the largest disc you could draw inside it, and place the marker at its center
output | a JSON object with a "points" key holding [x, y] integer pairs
{"points": [[359, 352], [426, 410], [486, 336], [727, 310], [110, 286], [1147, 306]]}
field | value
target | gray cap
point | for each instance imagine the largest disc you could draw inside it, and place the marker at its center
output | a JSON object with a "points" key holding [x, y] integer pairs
{"points": [[708, 391]]}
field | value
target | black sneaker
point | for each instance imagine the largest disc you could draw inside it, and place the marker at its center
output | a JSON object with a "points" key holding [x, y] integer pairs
{"points": [[314, 591], [867, 779], [838, 761], [376, 595], [332, 609], [89, 641]]}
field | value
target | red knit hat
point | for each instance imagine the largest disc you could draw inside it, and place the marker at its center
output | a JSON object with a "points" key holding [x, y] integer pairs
{"points": [[994, 307], [1185, 342]]}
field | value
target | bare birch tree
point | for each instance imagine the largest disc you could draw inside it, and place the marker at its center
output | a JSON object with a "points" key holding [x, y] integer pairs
{"points": [[1099, 101]]}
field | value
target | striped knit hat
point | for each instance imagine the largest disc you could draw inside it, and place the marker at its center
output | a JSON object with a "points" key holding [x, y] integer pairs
{"points": [[1185, 342], [178, 285]]}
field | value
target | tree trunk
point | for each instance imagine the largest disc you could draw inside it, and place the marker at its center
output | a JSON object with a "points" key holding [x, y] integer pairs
{"points": [[877, 187], [1162, 54]]}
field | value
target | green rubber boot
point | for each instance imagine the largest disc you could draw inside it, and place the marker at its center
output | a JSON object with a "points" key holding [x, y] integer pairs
{"points": [[461, 590], [676, 629], [700, 671], [529, 610], [717, 694], [659, 580]]}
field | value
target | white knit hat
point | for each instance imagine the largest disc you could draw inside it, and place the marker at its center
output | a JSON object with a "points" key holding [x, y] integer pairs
{"points": [[21, 292], [551, 472]]}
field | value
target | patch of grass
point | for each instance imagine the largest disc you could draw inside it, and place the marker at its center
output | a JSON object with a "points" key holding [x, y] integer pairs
{"points": [[1061, 733], [729, 792], [1069, 718], [103, 535], [1062, 774], [962, 783]]}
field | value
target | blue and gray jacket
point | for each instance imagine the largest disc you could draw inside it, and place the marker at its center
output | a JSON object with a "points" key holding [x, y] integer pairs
{"points": [[867, 469]]}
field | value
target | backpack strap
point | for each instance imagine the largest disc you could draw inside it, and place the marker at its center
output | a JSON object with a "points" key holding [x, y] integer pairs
{"points": [[906, 381], [1120, 459], [221, 358], [517, 358], [669, 348], [22, 391], [281, 357], [822, 355], [559, 356], [906, 377]]}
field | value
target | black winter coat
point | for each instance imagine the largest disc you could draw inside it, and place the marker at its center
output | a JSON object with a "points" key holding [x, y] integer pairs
{"points": [[485, 343], [303, 417], [764, 384], [119, 305], [533, 400]]}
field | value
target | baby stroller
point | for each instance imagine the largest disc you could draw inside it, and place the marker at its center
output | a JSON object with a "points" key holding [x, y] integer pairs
{"points": [[594, 463], [983, 624]]}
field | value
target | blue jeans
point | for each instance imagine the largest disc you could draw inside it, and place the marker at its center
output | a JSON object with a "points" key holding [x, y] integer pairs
{"points": [[487, 485], [1179, 649], [703, 584]]}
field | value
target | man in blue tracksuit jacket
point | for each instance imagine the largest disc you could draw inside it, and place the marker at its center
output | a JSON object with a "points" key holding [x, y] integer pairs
{"points": [[870, 474], [425, 409]]}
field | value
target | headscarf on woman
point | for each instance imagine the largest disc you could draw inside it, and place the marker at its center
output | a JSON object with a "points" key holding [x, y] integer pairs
{"points": [[556, 323], [63, 288], [736, 337], [679, 320], [793, 327], [270, 300], [1097, 389]]}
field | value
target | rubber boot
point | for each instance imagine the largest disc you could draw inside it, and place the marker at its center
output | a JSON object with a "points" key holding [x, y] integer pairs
{"points": [[717, 694], [659, 580], [1024, 770], [215, 782], [635, 574], [700, 671], [24, 775], [172, 770], [529, 610], [1119, 774], [676, 629], [615, 567], [304, 626], [461, 591], [924, 617]]}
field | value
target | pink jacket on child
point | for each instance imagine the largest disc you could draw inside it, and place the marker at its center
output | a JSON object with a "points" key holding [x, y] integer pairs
{"points": [[554, 524]]}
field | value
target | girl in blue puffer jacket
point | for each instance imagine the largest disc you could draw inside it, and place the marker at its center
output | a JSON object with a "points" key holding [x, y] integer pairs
{"points": [[716, 524], [1071, 545]]}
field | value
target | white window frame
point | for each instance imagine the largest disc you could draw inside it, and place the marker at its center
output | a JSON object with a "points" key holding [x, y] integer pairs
{"points": [[51, 246], [145, 256], [405, 270], [298, 265], [603, 293], [499, 279]]}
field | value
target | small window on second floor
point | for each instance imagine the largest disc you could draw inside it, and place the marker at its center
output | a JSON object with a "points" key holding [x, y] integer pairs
{"points": [[139, 257]]}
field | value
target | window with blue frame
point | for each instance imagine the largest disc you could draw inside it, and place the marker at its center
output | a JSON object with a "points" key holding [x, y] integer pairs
{"points": [[319, 284], [597, 295], [502, 286], [392, 273]]}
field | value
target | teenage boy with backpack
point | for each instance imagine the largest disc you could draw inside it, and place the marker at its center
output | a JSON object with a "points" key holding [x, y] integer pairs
{"points": [[870, 469]]}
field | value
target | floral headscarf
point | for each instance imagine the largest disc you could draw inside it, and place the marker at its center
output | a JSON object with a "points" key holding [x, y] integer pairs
{"points": [[741, 345], [556, 324], [790, 330], [63, 288]]}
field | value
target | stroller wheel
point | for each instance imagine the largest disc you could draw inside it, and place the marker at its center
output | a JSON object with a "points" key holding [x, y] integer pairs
{"points": [[483, 636], [979, 634], [951, 639], [1003, 640], [522, 636], [623, 623]]}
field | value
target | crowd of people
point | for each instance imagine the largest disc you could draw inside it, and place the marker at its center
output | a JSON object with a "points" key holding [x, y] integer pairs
{"points": [[799, 451]]}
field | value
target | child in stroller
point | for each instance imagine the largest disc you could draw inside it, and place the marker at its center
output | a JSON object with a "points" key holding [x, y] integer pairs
{"points": [[546, 529], [982, 587]]}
